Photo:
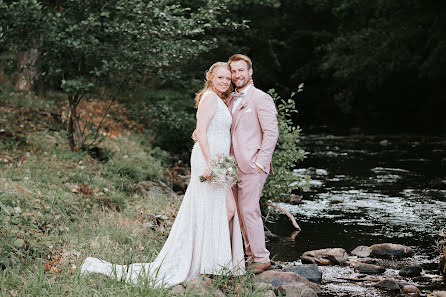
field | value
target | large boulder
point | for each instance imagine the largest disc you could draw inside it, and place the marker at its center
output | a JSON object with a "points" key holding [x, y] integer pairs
{"points": [[310, 271], [280, 278], [178, 290], [202, 286], [412, 290], [411, 271], [388, 284], [362, 251], [388, 250], [330, 256], [297, 290], [369, 269], [270, 293]]}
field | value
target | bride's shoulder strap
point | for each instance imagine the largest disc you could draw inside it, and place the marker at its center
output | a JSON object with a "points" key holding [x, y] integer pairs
{"points": [[207, 94]]}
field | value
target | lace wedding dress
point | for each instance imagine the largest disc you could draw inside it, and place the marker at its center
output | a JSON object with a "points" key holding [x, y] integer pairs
{"points": [[200, 241]]}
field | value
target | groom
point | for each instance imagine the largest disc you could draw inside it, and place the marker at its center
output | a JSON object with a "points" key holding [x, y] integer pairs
{"points": [[254, 135]]}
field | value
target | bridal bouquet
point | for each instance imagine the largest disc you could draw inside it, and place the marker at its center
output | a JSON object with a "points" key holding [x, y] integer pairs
{"points": [[223, 170]]}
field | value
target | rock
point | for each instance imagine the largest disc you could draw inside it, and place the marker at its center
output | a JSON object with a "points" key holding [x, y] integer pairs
{"points": [[149, 188], [280, 278], [262, 286], [294, 199], [388, 284], [386, 250], [311, 170], [297, 290], [203, 286], [270, 293], [2, 266], [269, 236], [336, 201], [330, 256], [310, 271], [413, 270], [439, 293], [362, 251], [369, 269], [410, 289], [442, 264], [384, 142], [178, 290]]}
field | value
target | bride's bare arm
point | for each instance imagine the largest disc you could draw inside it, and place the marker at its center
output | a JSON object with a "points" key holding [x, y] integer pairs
{"points": [[205, 114]]}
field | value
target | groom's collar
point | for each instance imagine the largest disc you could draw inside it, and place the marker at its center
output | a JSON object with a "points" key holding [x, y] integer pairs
{"points": [[244, 91]]}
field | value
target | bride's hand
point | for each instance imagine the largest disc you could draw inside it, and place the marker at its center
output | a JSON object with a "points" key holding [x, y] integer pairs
{"points": [[207, 173]]}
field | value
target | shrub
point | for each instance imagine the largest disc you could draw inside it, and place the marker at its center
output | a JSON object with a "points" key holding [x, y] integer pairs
{"points": [[287, 154]]}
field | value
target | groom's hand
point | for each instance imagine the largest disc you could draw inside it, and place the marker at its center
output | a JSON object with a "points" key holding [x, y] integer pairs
{"points": [[194, 135]]}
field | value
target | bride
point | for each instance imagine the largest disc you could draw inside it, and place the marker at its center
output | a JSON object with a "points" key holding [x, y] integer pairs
{"points": [[205, 237]]}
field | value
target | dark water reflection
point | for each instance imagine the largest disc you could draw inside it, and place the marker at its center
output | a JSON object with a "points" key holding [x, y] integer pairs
{"points": [[366, 190]]}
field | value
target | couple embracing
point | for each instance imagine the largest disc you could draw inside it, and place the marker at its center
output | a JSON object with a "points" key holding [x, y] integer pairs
{"points": [[205, 237]]}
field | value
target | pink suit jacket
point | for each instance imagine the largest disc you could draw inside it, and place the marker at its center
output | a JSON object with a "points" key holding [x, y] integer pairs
{"points": [[254, 131]]}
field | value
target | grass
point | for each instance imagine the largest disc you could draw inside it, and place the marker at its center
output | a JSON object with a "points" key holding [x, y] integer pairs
{"points": [[57, 207]]}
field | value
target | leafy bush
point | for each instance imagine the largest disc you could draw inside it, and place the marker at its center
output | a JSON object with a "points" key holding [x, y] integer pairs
{"points": [[287, 154], [167, 116]]}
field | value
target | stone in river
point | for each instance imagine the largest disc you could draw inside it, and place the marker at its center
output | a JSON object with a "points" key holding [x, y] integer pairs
{"points": [[309, 271], [388, 250], [442, 264], [384, 142], [330, 256], [413, 270], [280, 278], [388, 284], [369, 269], [269, 236], [410, 289], [294, 199], [439, 293], [297, 290], [362, 251]]}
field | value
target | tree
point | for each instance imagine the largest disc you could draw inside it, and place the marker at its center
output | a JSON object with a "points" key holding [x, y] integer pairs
{"points": [[85, 45], [386, 56]]}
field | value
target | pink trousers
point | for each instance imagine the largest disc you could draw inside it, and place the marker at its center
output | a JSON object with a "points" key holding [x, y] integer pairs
{"points": [[247, 197]]}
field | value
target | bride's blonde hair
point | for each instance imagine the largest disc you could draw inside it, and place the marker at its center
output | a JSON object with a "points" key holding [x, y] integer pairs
{"points": [[208, 83]]}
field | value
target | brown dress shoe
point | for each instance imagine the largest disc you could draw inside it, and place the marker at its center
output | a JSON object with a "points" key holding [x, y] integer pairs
{"points": [[257, 267], [249, 261]]}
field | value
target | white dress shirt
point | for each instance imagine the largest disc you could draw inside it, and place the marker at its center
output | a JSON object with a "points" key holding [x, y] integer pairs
{"points": [[239, 99]]}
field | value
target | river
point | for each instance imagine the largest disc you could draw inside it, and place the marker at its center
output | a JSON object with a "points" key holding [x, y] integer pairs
{"points": [[367, 190]]}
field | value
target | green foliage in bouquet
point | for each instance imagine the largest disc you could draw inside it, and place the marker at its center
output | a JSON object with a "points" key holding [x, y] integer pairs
{"points": [[287, 154]]}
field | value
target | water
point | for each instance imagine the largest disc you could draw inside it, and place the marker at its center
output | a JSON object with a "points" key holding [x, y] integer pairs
{"points": [[367, 190]]}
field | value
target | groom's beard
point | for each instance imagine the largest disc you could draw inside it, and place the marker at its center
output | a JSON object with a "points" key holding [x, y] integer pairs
{"points": [[242, 85]]}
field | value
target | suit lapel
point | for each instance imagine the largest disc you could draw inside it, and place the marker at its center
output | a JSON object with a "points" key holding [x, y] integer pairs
{"points": [[239, 112]]}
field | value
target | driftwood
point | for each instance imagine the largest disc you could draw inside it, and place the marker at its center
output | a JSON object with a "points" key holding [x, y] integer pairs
{"points": [[290, 216]]}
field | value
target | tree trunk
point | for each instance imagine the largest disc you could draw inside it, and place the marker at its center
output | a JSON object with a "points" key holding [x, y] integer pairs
{"points": [[26, 62], [70, 130], [74, 126]]}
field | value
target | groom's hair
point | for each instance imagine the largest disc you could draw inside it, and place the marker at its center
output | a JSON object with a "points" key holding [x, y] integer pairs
{"points": [[240, 57]]}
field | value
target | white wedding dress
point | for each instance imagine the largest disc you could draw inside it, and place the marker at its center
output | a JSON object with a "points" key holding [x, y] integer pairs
{"points": [[200, 241]]}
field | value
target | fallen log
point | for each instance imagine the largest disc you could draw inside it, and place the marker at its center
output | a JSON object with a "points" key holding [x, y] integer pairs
{"points": [[290, 216]]}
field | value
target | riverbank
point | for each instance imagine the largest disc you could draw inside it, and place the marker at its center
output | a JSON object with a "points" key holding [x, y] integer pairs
{"points": [[57, 207]]}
